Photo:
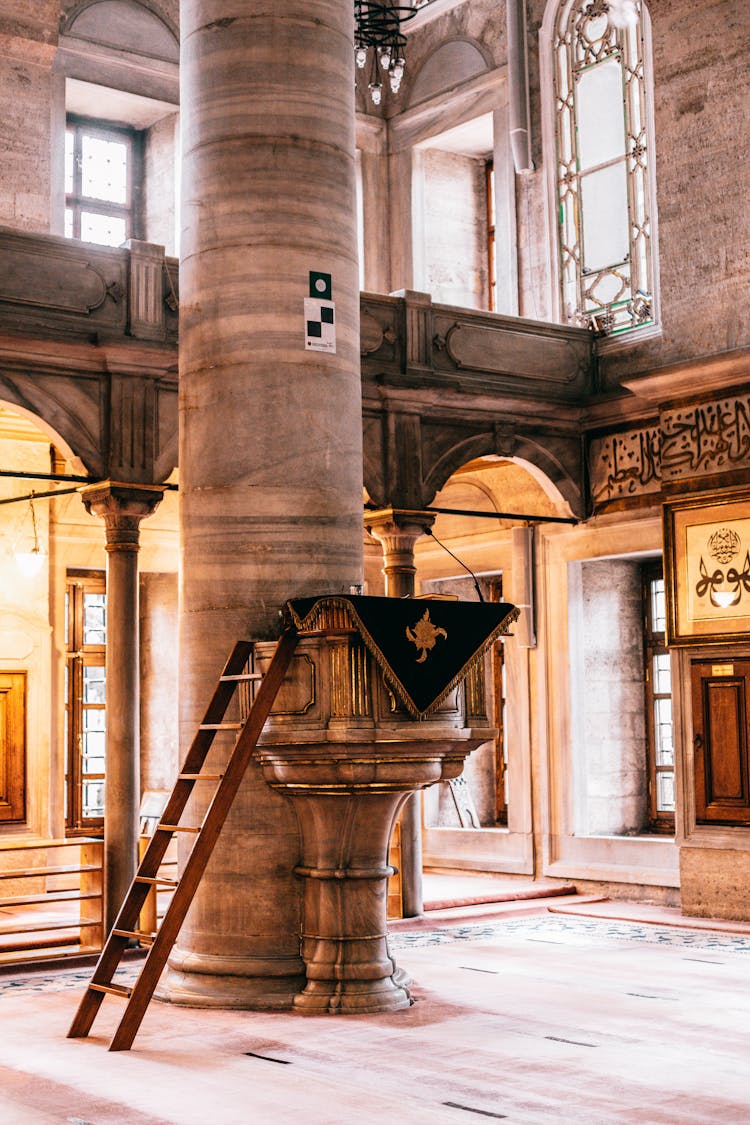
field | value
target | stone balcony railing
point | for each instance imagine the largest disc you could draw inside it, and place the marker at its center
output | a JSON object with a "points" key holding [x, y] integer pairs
{"points": [[63, 289], [88, 343], [407, 339], [51, 286]]}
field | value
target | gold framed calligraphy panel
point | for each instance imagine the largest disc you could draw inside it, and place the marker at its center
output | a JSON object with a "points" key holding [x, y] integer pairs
{"points": [[707, 567]]}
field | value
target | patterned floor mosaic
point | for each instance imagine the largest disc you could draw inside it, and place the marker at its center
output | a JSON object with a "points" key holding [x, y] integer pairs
{"points": [[547, 928], [576, 931]]}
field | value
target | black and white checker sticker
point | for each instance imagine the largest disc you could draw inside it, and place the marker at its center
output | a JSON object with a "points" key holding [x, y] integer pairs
{"points": [[320, 315]]}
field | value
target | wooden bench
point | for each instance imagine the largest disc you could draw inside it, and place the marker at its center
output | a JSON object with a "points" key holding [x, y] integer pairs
{"points": [[51, 899]]}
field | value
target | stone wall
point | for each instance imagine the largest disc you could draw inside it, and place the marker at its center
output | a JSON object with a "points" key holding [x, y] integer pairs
{"points": [[607, 704], [28, 32], [454, 217], [479, 768], [715, 882], [159, 197], [702, 134], [703, 181], [159, 680], [24, 627]]}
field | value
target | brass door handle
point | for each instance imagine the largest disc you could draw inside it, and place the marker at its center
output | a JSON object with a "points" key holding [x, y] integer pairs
{"points": [[698, 744]]}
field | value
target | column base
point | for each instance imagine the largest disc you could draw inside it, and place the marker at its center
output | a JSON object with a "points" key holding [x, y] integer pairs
{"points": [[354, 997], [197, 981]]}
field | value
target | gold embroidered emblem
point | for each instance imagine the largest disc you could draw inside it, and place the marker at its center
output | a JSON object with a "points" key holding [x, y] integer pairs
{"points": [[424, 635]]}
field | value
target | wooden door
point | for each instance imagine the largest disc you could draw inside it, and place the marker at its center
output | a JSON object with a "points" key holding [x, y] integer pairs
{"points": [[12, 746], [720, 690]]}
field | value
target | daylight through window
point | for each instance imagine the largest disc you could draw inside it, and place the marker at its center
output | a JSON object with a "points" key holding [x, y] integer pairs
{"points": [[604, 210], [98, 183]]}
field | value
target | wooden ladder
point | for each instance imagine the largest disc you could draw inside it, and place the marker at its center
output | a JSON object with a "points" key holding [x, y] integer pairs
{"points": [[125, 929]]}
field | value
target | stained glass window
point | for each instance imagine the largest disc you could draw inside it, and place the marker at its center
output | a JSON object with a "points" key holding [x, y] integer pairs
{"points": [[603, 168]]}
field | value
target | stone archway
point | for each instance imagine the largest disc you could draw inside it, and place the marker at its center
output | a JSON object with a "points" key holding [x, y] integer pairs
{"points": [[553, 462]]}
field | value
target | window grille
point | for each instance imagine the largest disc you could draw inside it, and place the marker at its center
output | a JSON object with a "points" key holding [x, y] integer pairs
{"points": [[99, 182], [603, 169]]}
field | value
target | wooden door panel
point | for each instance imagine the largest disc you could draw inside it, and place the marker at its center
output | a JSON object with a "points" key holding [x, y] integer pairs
{"points": [[12, 746], [720, 722], [725, 753]]}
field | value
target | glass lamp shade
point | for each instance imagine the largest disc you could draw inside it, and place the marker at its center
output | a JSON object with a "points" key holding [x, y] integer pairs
{"points": [[30, 563]]}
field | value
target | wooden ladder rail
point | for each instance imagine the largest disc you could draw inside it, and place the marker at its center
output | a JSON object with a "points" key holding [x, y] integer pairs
{"points": [[125, 928]]}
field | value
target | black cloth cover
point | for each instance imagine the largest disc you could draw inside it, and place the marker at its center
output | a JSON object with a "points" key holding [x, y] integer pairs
{"points": [[423, 646]]}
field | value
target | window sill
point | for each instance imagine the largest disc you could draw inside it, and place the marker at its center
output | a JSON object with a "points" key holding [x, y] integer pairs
{"points": [[608, 345]]}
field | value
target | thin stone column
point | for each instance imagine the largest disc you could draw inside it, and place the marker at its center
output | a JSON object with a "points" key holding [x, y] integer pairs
{"points": [[122, 507], [397, 531], [270, 431]]}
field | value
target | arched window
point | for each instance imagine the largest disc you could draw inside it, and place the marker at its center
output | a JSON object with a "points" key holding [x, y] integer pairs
{"points": [[603, 165]]}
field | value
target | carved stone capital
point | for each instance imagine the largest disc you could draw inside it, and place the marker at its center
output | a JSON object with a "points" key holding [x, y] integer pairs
{"points": [[397, 530], [122, 507]]}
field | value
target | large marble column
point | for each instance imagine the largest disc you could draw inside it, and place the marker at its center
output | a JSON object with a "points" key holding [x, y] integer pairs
{"points": [[122, 507], [270, 432], [397, 531]]}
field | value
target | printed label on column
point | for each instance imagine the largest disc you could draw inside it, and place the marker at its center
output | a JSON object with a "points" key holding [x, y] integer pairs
{"points": [[320, 321]]}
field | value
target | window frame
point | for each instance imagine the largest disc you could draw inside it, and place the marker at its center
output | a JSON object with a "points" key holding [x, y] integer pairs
{"points": [[79, 656], [76, 202], [611, 338], [654, 644]]}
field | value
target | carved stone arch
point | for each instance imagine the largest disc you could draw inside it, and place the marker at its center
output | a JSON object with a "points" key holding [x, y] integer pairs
{"points": [[454, 62], [69, 426], [556, 466], [468, 449], [145, 18]]}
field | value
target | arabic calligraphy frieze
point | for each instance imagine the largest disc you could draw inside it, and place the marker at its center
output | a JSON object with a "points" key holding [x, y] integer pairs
{"points": [[690, 441], [710, 438], [625, 464]]}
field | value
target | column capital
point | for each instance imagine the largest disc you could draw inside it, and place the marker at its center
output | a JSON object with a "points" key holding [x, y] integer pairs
{"points": [[397, 530], [122, 507]]}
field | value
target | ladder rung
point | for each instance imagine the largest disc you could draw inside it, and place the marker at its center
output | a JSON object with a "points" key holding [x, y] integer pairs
{"points": [[112, 990], [201, 776], [249, 732], [139, 935], [243, 677]]}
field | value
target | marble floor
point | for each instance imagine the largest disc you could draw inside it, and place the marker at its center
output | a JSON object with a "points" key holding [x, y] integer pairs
{"points": [[543, 1017]]}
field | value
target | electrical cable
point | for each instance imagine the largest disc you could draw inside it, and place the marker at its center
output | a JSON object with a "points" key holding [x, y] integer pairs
{"points": [[429, 531]]}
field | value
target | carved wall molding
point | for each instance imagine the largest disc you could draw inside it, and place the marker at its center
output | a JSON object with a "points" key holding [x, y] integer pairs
{"points": [[40, 273], [538, 356]]}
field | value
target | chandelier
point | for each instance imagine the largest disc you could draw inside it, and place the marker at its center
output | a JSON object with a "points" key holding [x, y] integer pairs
{"points": [[378, 38]]}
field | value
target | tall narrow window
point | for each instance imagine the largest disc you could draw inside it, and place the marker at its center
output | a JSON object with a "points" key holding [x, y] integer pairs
{"points": [[99, 182], [603, 157], [661, 785], [85, 698]]}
